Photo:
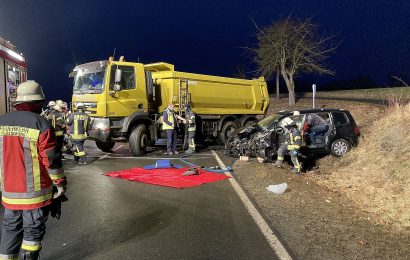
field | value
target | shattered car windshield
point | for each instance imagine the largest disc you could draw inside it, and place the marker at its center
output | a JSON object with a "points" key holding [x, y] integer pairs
{"points": [[268, 122], [89, 82]]}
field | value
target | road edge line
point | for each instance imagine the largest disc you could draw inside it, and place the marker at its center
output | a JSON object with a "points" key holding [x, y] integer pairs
{"points": [[264, 227]]}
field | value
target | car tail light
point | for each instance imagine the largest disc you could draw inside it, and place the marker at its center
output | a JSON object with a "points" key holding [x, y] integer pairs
{"points": [[356, 131]]}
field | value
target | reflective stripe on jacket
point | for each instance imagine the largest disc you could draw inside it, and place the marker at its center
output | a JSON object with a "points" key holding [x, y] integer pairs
{"points": [[29, 161], [78, 122], [294, 139], [169, 120], [190, 117], [56, 119]]}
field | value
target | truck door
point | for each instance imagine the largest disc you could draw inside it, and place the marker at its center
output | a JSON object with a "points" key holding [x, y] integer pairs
{"points": [[123, 103]]}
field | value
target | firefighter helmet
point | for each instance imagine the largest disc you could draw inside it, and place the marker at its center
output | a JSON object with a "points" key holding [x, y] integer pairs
{"points": [[288, 121], [51, 103], [29, 91], [80, 105], [60, 103]]}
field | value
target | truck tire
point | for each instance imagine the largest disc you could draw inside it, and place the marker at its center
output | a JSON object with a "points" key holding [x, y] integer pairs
{"points": [[339, 147], [105, 146], [227, 129], [138, 140]]}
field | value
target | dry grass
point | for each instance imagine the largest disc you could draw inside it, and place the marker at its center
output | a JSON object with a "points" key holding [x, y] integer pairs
{"points": [[385, 94], [376, 175]]}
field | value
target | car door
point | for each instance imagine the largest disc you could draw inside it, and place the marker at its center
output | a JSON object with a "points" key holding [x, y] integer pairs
{"points": [[342, 124]]}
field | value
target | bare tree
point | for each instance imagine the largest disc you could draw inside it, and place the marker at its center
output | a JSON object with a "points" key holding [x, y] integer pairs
{"points": [[292, 46]]}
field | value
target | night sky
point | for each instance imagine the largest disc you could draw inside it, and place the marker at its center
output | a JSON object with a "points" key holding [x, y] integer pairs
{"points": [[199, 36]]}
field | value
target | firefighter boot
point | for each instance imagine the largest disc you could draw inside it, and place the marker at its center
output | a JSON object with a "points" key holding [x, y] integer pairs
{"points": [[278, 164], [83, 161], [29, 255], [296, 170], [190, 151]]}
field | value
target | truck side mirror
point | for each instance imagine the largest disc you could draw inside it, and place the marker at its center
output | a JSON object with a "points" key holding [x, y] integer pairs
{"points": [[118, 75], [117, 87], [117, 80]]}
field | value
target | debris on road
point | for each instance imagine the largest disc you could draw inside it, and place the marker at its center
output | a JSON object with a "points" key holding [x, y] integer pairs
{"points": [[191, 171], [278, 188], [244, 158]]}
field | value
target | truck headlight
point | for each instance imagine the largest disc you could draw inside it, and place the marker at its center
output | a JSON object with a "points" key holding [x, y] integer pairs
{"points": [[101, 124]]}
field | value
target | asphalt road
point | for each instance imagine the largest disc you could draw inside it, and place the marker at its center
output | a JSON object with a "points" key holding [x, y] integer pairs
{"points": [[109, 218]]}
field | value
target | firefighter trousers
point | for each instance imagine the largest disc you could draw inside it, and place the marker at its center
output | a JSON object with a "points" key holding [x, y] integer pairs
{"points": [[23, 229], [293, 156], [191, 141], [79, 153], [60, 143]]}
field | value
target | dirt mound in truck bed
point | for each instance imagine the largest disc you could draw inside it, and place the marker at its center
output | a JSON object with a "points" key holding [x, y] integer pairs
{"points": [[376, 175]]}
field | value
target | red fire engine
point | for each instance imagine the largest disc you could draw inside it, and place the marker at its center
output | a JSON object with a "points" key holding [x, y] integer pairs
{"points": [[13, 71]]}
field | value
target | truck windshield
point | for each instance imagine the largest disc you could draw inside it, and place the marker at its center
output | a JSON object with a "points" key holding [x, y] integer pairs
{"points": [[267, 123], [89, 82]]}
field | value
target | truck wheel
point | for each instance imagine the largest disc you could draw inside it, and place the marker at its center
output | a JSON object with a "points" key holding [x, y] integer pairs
{"points": [[105, 146], [339, 147], [138, 140], [227, 129]]}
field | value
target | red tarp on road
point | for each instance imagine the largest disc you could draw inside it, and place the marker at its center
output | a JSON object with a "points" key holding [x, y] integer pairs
{"points": [[167, 177]]}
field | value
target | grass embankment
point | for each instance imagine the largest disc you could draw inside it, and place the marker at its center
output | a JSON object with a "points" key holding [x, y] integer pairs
{"points": [[385, 94], [376, 175]]}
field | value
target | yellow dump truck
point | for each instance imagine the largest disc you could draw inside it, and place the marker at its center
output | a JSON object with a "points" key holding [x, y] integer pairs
{"points": [[126, 101]]}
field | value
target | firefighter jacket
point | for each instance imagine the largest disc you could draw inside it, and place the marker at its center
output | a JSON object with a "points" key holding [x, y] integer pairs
{"points": [[78, 123], [56, 119], [293, 138], [190, 117], [29, 161], [169, 119]]}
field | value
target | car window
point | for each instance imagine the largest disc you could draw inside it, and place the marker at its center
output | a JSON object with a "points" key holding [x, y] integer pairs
{"points": [[340, 118], [325, 116]]}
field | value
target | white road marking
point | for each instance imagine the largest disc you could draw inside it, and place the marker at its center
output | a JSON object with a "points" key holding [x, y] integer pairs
{"points": [[272, 239], [108, 154]]}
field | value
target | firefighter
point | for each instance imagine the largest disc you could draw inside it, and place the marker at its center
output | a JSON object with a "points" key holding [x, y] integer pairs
{"points": [[191, 127], [56, 119], [50, 108], [28, 179], [292, 144], [170, 125], [66, 148], [79, 123]]}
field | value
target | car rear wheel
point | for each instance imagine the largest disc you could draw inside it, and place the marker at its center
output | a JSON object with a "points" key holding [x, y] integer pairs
{"points": [[339, 147]]}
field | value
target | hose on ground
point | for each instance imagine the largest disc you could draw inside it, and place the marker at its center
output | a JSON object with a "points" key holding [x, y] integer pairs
{"points": [[208, 169]]}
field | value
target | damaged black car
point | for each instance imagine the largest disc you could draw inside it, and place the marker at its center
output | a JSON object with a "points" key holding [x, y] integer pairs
{"points": [[263, 139]]}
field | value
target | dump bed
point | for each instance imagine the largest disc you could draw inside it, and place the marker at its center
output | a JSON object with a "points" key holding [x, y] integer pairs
{"points": [[209, 95]]}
